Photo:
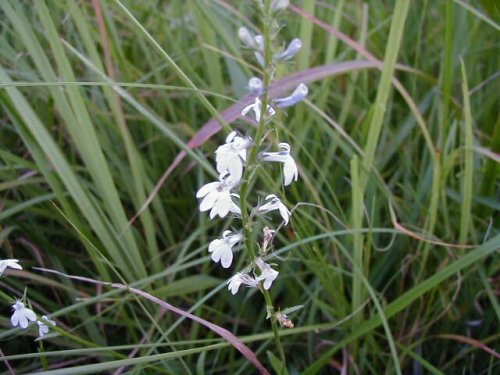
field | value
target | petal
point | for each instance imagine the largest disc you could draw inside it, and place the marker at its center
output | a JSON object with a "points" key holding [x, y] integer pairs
{"points": [[214, 245], [285, 214], [273, 156], [208, 202], [290, 171], [14, 319], [30, 314], [227, 258], [23, 321], [207, 188]]}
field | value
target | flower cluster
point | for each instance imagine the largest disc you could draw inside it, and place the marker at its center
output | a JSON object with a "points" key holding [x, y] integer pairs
{"points": [[222, 197], [23, 315]]}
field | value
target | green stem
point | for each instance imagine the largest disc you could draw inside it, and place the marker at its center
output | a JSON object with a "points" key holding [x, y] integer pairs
{"points": [[252, 163], [274, 325]]}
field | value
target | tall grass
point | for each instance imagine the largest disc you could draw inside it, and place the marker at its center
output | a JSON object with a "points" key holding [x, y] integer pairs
{"points": [[393, 246]]}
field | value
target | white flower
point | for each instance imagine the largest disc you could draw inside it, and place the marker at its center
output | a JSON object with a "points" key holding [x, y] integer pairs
{"points": [[290, 170], [297, 95], [221, 249], [294, 47], [275, 204], [21, 315], [43, 325], [230, 156], [235, 282], [256, 107], [268, 275], [217, 197], [9, 263], [246, 37]]}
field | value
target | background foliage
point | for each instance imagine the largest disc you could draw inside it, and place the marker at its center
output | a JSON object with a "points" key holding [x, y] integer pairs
{"points": [[97, 99]]}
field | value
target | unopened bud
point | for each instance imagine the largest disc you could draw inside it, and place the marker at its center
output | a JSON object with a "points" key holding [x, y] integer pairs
{"points": [[292, 49], [297, 95], [246, 37], [277, 5], [255, 86]]}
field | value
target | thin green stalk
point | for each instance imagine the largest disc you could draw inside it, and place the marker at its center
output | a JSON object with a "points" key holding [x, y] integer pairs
{"points": [[274, 324], [252, 165], [384, 88]]}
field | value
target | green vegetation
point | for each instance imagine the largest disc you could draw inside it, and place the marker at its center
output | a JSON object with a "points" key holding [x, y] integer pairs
{"points": [[392, 248]]}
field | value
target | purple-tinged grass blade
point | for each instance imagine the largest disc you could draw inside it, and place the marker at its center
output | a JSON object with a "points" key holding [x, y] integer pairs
{"points": [[233, 112], [222, 332]]}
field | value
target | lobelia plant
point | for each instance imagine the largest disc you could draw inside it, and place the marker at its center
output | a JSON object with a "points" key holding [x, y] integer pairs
{"points": [[237, 161]]}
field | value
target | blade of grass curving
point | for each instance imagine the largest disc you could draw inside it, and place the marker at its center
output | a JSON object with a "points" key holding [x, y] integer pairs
{"points": [[210, 108], [478, 14], [467, 194], [84, 131], [357, 209], [366, 54], [134, 159], [379, 107], [53, 154], [476, 255], [222, 332]]}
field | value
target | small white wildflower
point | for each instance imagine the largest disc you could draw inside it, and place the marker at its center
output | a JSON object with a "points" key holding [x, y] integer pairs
{"points": [[230, 156], [221, 249], [43, 325], [274, 203], [22, 315], [9, 263], [293, 47], [297, 95], [217, 197], [256, 107], [237, 280], [268, 275], [290, 170], [255, 86]]}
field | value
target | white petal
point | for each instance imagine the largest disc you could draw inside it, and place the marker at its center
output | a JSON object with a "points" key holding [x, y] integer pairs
{"points": [[14, 319], [30, 314], [207, 188], [285, 214], [227, 258], [290, 171], [208, 202], [23, 321]]}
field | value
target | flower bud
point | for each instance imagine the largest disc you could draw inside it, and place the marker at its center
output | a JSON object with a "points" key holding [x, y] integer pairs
{"points": [[297, 95], [294, 47], [246, 37], [255, 86], [277, 5]]}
